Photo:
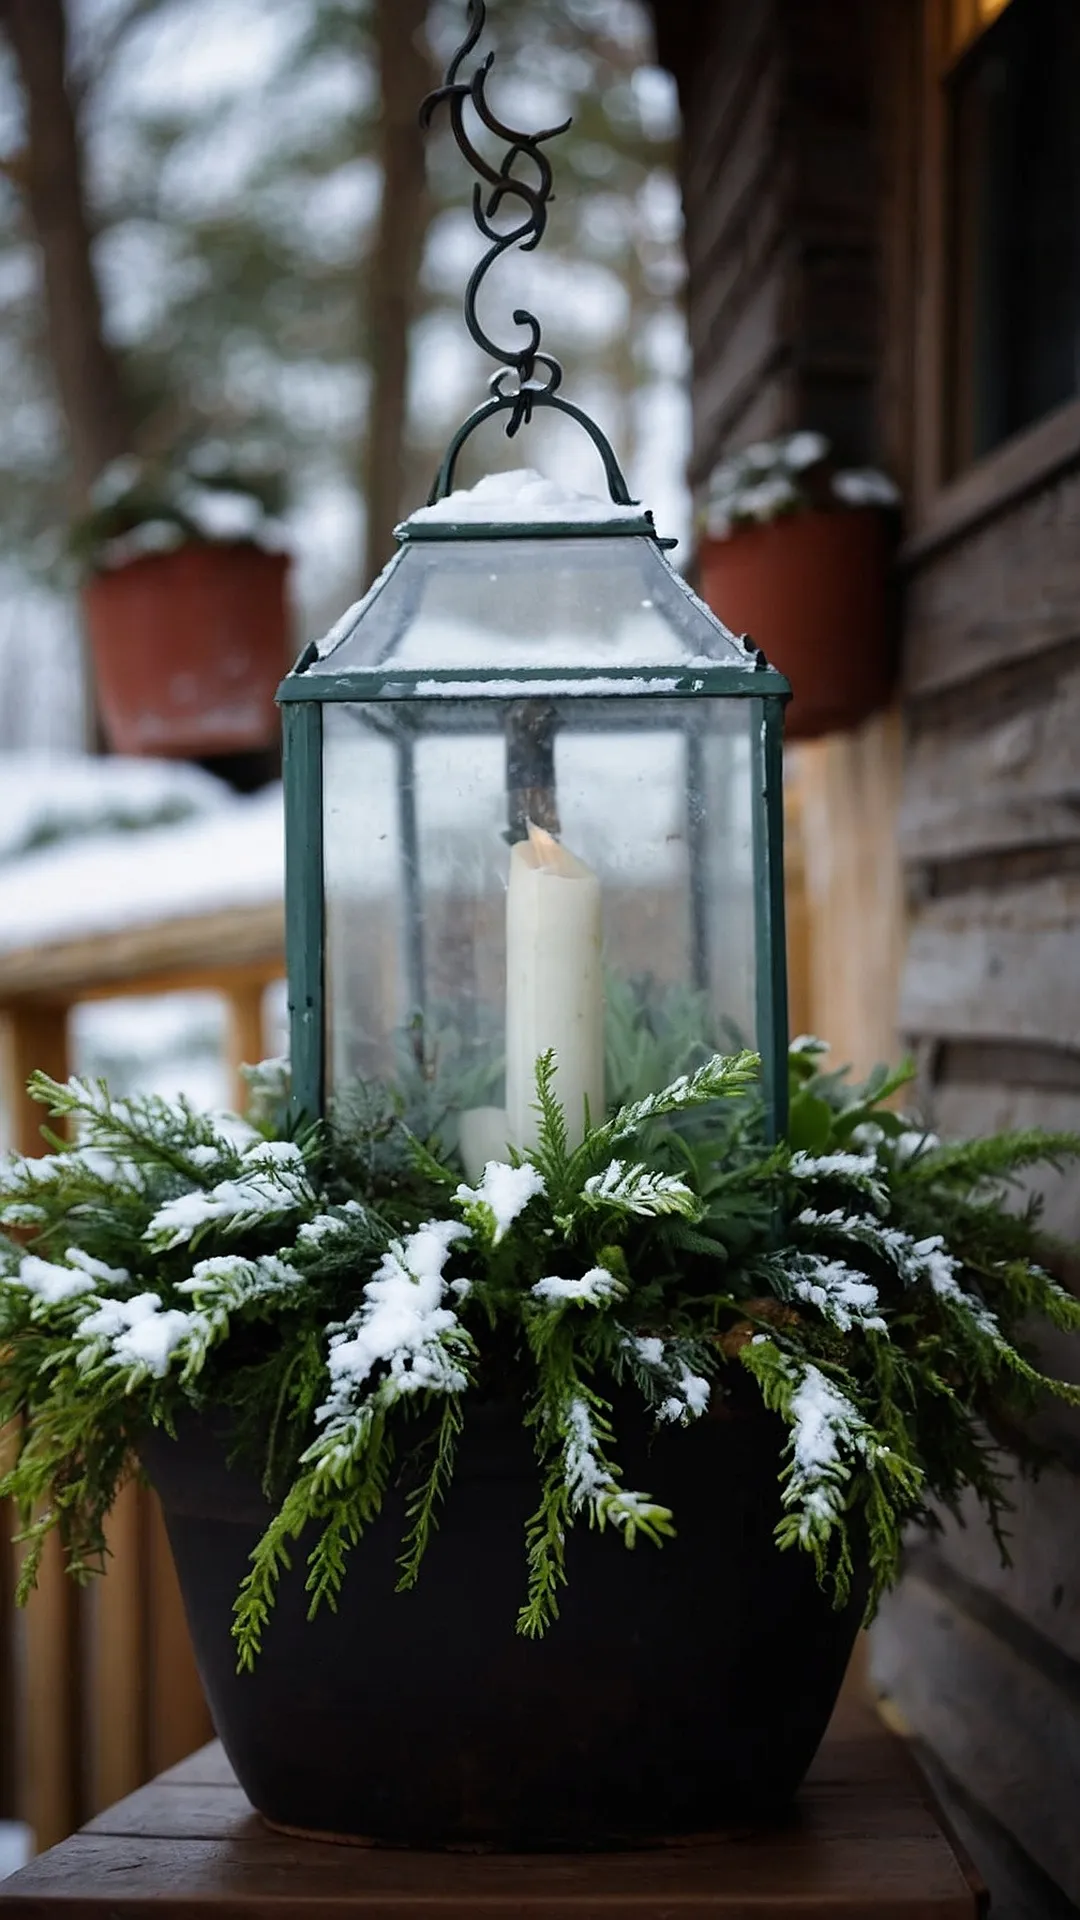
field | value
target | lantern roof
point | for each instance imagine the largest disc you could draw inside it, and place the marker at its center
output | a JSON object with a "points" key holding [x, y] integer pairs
{"points": [[519, 584]]}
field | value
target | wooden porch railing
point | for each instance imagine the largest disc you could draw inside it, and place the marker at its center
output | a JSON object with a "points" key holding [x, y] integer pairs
{"points": [[98, 1688]]}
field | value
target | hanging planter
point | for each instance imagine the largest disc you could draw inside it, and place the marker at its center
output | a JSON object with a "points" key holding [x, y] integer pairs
{"points": [[186, 613], [797, 556]]}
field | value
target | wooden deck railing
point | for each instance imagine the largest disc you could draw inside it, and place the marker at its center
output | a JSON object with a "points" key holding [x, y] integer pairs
{"points": [[98, 1687]]}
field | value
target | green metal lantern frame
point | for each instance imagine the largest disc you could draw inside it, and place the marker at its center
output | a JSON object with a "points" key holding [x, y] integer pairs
{"points": [[303, 694]]}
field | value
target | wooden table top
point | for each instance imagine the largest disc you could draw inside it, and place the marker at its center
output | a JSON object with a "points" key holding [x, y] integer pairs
{"points": [[863, 1842]]}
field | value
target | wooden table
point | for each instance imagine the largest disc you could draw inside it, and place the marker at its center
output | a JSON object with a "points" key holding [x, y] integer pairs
{"points": [[863, 1844]]}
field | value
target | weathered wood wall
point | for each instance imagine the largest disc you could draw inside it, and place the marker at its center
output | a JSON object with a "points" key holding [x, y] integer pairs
{"points": [[811, 202], [985, 1662], [782, 194], [780, 219]]}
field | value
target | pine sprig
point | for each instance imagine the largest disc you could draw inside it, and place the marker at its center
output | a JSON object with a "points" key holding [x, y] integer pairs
{"points": [[422, 1510]]}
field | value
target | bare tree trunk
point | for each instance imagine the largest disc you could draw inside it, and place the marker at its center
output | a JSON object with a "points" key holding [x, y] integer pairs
{"points": [[85, 367], [394, 269]]}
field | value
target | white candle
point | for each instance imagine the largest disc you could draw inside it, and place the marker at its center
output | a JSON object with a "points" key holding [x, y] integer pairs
{"points": [[554, 985], [482, 1136]]}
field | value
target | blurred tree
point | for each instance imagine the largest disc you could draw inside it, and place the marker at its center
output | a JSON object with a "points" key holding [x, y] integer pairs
{"points": [[259, 288], [50, 173], [406, 74]]}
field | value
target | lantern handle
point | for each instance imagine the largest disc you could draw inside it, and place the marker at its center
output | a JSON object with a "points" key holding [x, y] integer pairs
{"points": [[520, 406], [497, 188]]}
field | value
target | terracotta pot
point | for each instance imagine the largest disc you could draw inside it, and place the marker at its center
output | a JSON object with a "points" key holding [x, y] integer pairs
{"points": [[680, 1687], [811, 590], [188, 649]]}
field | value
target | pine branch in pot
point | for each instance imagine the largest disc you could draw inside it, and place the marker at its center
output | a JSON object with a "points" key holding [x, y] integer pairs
{"points": [[185, 602], [404, 1427], [794, 552]]}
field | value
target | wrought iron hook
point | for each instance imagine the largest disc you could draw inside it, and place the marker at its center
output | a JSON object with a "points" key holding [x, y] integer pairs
{"points": [[538, 374]]}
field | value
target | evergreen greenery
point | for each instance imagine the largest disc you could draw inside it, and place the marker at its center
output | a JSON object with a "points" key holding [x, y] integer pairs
{"points": [[864, 1281]]}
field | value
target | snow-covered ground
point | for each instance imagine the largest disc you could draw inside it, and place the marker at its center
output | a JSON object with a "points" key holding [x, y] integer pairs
{"points": [[96, 881], [88, 845]]}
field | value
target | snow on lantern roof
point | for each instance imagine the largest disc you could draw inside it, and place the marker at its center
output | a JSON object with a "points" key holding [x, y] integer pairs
{"points": [[523, 496], [515, 588]]}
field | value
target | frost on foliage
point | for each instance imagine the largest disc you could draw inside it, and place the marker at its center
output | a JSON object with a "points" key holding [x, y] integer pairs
{"points": [[841, 1294], [940, 1269], [633, 1189], [719, 1077], [594, 1289], [685, 1393], [23, 1176], [271, 1180], [915, 1261], [139, 1333], [402, 1325], [503, 1192], [859, 1170], [590, 1482]]}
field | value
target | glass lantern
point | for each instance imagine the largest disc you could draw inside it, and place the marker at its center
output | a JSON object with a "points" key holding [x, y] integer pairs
{"points": [[533, 802]]}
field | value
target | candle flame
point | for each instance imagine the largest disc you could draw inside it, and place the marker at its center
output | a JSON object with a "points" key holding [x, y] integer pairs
{"points": [[545, 854], [544, 846]]}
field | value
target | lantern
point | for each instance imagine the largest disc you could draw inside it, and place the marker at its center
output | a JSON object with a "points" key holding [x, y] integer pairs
{"points": [[533, 793]]}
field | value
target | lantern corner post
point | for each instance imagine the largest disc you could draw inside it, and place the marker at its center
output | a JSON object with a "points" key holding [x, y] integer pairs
{"points": [[771, 990], [305, 915]]}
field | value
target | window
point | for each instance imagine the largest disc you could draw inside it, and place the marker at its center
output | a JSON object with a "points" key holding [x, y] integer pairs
{"points": [[1014, 257]]}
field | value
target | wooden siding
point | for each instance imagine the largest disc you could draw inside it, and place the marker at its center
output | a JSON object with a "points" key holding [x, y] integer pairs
{"points": [[779, 187], [983, 1660], [814, 205], [787, 285]]}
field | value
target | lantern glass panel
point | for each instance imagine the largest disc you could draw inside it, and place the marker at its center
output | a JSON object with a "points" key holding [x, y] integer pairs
{"points": [[423, 799], [516, 602]]}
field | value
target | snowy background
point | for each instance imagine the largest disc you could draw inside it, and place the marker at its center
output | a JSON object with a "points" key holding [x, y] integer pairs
{"points": [[234, 199]]}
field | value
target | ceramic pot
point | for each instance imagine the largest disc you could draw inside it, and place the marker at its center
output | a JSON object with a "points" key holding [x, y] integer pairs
{"points": [[188, 649], [811, 590], [681, 1686]]}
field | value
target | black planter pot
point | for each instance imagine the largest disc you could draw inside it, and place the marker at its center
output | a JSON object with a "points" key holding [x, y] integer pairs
{"points": [[681, 1687]]}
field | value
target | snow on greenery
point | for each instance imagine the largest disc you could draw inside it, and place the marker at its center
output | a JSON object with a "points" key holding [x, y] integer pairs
{"points": [[591, 1290], [315, 1290], [402, 1324], [634, 1189], [271, 1180], [678, 1393], [773, 478], [843, 1295], [591, 1483], [503, 1192], [139, 1333], [826, 1430], [49, 1282]]}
